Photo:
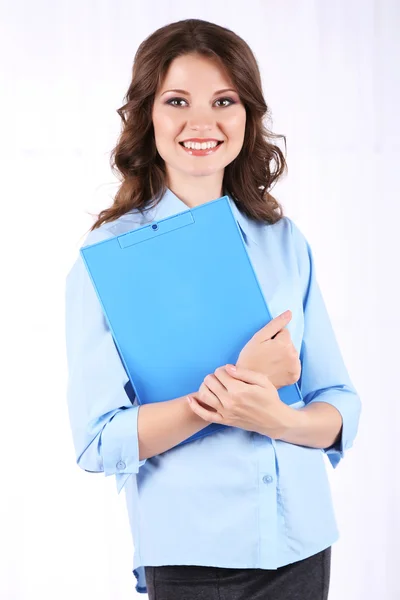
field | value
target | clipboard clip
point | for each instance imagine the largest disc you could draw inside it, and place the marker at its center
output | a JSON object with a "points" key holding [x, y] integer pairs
{"points": [[147, 232]]}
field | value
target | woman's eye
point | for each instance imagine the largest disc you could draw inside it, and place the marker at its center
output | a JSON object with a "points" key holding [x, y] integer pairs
{"points": [[175, 100], [226, 99]]}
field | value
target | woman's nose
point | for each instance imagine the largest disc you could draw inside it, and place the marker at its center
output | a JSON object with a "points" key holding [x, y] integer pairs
{"points": [[201, 129], [200, 120]]}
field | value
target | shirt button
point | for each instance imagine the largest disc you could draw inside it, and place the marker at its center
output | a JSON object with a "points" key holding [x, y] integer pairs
{"points": [[267, 478], [121, 464]]}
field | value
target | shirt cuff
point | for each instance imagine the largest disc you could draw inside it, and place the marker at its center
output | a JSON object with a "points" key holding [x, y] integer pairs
{"points": [[349, 406], [120, 443]]}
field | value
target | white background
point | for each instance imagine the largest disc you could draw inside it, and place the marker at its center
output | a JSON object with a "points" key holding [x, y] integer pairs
{"points": [[331, 78]]}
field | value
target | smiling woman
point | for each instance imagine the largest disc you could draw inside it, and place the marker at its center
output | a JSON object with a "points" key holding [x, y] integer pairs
{"points": [[195, 81], [245, 512]]}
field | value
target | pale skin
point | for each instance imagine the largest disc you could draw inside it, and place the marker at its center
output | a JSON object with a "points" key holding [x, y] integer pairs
{"points": [[247, 397]]}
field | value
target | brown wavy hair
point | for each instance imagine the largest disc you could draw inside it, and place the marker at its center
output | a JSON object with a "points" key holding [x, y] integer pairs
{"points": [[135, 160]]}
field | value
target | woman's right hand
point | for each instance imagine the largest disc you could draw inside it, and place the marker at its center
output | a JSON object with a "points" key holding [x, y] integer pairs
{"points": [[271, 351]]}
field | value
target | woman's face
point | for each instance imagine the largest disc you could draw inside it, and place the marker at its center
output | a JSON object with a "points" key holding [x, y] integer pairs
{"points": [[198, 110]]}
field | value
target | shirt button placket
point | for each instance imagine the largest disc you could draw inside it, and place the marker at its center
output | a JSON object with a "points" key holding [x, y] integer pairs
{"points": [[267, 509]]}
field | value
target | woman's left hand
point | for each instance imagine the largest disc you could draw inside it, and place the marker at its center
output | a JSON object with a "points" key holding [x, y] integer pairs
{"points": [[241, 398]]}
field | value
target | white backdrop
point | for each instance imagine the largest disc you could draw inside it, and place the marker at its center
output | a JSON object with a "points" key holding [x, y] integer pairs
{"points": [[331, 77]]}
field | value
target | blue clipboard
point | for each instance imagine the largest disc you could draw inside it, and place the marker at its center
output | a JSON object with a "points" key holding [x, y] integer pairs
{"points": [[181, 298]]}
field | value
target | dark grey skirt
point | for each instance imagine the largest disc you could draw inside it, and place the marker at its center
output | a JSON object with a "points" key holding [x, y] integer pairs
{"points": [[306, 579]]}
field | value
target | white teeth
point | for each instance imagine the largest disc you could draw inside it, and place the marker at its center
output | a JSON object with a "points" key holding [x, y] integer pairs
{"points": [[198, 146]]}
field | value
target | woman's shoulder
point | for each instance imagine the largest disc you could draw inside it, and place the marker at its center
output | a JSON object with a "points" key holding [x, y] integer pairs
{"points": [[280, 231], [286, 228], [285, 238], [126, 222], [123, 224]]}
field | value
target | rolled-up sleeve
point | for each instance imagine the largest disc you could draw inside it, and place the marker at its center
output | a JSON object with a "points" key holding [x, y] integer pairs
{"points": [[103, 417], [324, 377]]}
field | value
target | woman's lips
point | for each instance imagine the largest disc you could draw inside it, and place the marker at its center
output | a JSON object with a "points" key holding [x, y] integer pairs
{"points": [[205, 152]]}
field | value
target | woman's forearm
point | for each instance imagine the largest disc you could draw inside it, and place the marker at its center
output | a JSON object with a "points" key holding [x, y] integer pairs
{"points": [[318, 425], [163, 425]]}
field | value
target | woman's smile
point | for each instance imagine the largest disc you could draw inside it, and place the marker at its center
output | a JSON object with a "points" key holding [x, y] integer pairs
{"points": [[196, 150]]}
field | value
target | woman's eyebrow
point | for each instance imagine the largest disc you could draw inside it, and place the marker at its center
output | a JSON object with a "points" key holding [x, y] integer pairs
{"points": [[188, 93]]}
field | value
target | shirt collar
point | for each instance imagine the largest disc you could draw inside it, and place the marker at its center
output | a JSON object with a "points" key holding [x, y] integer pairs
{"points": [[170, 205]]}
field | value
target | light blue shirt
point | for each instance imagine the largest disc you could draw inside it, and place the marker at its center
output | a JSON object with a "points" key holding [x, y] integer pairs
{"points": [[235, 498]]}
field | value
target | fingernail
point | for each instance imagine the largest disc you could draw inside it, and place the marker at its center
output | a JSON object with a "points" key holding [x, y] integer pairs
{"points": [[232, 367], [188, 399]]}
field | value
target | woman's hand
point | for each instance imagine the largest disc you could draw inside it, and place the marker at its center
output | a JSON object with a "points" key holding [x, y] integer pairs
{"points": [[241, 398], [271, 352]]}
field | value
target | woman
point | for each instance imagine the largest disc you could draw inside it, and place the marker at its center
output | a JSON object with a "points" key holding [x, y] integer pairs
{"points": [[244, 513]]}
